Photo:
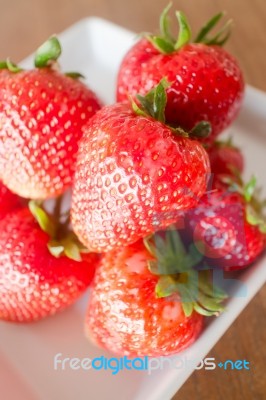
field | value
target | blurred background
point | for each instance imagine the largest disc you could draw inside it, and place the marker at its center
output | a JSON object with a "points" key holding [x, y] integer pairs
{"points": [[24, 25]]}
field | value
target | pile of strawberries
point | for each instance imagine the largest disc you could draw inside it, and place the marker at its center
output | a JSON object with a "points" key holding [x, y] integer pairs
{"points": [[157, 203]]}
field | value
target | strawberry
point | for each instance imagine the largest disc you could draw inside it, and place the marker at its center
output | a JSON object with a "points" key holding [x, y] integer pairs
{"points": [[230, 227], [42, 114], [225, 158], [131, 170], [207, 83], [135, 312], [33, 283], [227, 163], [8, 201]]}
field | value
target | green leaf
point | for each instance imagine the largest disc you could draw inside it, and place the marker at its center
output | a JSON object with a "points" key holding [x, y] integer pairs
{"points": [[249, 189], [220, 38], [47, 52], [255, 219], [161, 44], [165, 43], [210, 303], [74, 75], [3, 65], [153, 103], [55, 248], [165, 22], [207, 287], [262, 227], [208, 27], [188, 308], [137, 110], [160, 100], [184, 30], [188, 293], [173, 265], [153, 267], [10, 66], [252, 217], [65, 247], [193, 257], [170, 254], [149, 244], [71, 250], [44, 220], [201, 130], [202, 311], [166, 286]]}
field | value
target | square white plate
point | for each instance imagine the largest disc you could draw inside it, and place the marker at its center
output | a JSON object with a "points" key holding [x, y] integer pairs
{"points": [[95, 47]]}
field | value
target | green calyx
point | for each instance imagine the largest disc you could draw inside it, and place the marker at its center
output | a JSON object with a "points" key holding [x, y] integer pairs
{"points": [[46, 56], [254, 206], [47, 53], [63, 242], [167, 44], [75, 75], [220, 38], [153, 104], [225, 143], [10, 66], [174, 267], [201, 130]]}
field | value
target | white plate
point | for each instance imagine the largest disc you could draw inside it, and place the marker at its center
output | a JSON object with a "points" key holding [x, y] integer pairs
{"points": [[95, 48]]}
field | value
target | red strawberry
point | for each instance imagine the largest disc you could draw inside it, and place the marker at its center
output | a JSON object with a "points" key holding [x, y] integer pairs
{"points": [[132, 171], [42, 114], [33, 283], [226, 158], [132, 321], [127, 311], [8, 201], [207, 83], [227, 164], [230, 228]]}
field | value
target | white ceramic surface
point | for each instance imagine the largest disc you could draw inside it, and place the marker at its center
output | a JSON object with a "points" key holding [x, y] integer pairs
{"points": [[95, 47]]}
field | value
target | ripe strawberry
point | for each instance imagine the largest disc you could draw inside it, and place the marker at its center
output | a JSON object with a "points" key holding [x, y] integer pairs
{"points": [[131, 171], [227, 164], [134, 312], [229, 226], [8, 201], [42, 114], [33, 283], [225, 158], [207, 83]]}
